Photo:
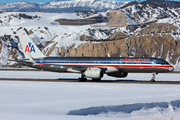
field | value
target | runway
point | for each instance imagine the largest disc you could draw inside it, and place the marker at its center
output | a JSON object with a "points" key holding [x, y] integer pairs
{"points": [[90, 81], [16, 74]]}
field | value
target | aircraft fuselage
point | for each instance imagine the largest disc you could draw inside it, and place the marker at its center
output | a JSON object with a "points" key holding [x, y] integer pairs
{"points": [[121, 64]]}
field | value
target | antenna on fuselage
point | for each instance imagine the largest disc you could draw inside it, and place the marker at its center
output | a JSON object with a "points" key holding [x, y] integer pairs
{"points": [[108, 55]]}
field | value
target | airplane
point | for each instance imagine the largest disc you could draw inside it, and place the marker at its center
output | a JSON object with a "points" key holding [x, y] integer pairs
{"points": [[90, 67]]}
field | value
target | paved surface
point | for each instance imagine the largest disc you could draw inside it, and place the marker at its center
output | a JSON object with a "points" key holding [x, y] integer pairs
{"points": [[76, 80], [89, 81]]}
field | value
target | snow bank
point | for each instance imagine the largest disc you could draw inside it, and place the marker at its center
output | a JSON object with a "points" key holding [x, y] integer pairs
{"points": [[54, 100]]}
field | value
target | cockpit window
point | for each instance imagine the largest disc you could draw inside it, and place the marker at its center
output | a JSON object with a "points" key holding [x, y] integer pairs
{"points": [[165, 63]]}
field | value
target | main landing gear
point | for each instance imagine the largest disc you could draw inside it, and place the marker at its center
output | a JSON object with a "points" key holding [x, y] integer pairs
{"points": [[82, 78], [153, 77], [96, 80]]}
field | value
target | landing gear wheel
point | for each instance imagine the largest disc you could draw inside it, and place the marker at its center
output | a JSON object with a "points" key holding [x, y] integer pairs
{"points": [[152, 80], [82, 79], [96, 80]]}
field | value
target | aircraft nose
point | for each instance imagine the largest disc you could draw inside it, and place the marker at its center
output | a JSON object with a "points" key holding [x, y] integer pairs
{"points": [[171, 69]]}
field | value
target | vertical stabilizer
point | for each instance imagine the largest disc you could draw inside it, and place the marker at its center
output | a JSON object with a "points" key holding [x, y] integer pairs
{"points": [[30, 50]]}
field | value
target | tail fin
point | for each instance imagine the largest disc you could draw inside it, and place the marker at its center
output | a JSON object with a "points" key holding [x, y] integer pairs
{"points": [[30, 50]]}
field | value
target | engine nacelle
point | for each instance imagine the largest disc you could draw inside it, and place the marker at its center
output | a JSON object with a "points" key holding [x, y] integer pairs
{"points": [[94, 73], [118, 74]]}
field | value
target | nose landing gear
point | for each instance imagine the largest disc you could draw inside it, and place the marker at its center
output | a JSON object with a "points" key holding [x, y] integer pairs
{"points": [[153, 77]]}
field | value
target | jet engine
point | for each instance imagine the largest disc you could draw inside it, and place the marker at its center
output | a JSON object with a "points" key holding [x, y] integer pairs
{"points": [[94, 73], [118, 74]]}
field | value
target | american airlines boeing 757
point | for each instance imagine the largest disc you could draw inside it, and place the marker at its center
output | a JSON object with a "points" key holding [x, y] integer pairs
{"points": [[90, 67]]}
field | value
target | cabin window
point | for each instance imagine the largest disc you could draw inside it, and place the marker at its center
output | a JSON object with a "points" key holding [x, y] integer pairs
{"points": [[164, 63]]}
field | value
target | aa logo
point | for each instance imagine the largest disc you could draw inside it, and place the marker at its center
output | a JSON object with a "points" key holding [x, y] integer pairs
{"points": [[29, 48]]}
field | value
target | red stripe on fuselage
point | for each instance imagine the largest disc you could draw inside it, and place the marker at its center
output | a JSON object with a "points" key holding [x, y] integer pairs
{"points": [[46, 65]]}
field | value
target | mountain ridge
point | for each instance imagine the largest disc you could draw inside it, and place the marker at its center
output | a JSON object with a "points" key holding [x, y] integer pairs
{"points": [[62, 6]]}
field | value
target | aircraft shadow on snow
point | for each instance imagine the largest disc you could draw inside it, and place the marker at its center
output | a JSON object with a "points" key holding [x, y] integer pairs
{"points": [[125, 108], [117, 80]]}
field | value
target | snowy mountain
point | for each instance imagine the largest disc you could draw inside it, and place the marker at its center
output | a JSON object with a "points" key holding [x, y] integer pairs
{"points": [[136, 30], [62, 6], [143, 13]]}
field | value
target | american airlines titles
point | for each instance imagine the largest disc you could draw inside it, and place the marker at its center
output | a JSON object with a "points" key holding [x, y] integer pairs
{"points": [[136, 60]]}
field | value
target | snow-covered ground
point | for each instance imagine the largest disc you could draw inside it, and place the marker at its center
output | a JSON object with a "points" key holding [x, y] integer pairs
{"points": [[45, 27], [102, 101]]}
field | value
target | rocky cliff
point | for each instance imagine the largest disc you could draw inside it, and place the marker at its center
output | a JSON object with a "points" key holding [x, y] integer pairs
{"points": [[156, 45]]}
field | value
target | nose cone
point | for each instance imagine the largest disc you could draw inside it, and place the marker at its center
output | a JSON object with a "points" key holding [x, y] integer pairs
{"points": [[171, 69]]}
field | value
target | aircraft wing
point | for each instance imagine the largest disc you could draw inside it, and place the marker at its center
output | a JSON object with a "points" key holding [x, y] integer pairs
{"points": [[72, 67]]}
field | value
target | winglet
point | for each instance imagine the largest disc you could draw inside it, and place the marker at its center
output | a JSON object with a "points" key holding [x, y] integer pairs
{"points": [[30, 50]]}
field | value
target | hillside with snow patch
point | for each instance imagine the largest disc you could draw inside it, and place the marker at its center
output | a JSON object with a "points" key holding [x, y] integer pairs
{"points": [[138, 30]]}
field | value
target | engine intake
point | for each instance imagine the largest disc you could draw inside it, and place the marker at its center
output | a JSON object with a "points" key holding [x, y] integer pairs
{"points": [[94, 73], [118, 74]]}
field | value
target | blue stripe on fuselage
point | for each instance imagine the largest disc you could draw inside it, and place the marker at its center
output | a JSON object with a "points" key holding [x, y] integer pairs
{"points": [[44, 62]]}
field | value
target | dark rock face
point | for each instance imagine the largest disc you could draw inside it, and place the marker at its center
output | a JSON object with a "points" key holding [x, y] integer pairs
{"points": [[87, 21]]}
